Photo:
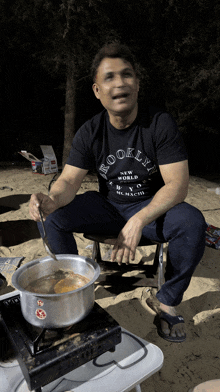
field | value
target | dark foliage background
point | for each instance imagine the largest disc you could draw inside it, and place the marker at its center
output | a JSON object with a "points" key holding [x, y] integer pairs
{"points": [[46, 51]]}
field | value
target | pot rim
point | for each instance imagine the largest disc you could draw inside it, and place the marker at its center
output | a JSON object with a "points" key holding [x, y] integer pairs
{"points": [[30, 264]]}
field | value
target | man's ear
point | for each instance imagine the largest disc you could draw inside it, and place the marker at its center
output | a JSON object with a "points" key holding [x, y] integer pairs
{"points": [[95, 88]]}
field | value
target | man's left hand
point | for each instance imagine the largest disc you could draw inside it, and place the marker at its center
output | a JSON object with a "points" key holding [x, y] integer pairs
{"points": [[126, 243]]}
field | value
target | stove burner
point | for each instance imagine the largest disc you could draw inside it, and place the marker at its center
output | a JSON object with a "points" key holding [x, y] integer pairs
{"points": [[45, 355], [42, 339]]}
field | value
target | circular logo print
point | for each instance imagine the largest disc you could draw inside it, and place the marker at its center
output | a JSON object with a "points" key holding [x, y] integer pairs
{"points": [[41, 314]]}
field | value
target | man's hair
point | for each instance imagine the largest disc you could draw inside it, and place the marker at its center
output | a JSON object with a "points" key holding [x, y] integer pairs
{"points": [[114, 50]]}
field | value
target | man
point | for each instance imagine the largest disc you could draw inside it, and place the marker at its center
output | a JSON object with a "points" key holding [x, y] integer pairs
{"points": [[142, 170]]}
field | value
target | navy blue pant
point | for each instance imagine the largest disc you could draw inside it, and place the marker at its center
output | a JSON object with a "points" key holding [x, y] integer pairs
{"points": [[183, 226]]}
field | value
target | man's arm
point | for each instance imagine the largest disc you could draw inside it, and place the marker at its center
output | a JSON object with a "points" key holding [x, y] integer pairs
{"points": [[176, 179], [62, 192]]}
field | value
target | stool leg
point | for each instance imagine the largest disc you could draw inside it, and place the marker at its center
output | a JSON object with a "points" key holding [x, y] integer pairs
{"points": [[160, 272], [156, 259], [96, 254], [138, 388]]}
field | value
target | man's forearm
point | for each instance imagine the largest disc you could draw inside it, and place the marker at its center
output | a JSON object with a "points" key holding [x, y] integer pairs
{"points": [[167, 197], [66, 187], [62, 192]]}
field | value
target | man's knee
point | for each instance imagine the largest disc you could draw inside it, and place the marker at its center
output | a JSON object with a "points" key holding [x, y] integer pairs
{"points": [[188, 219]]}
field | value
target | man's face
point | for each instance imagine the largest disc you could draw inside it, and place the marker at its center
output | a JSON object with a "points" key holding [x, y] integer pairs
{"points": [[116, 86]]}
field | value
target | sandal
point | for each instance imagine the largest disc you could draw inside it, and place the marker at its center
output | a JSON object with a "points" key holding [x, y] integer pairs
{"points": [[171, 320]]}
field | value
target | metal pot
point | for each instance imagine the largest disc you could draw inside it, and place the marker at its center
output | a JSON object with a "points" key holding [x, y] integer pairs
{"points": [[56, 310]]}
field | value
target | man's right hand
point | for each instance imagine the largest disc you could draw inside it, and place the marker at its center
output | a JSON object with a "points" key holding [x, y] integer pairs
{"points": [[46, 204]]}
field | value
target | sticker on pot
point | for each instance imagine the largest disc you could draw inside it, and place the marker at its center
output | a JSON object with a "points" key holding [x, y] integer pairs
{"points": [[40, 302], [41, 314]]}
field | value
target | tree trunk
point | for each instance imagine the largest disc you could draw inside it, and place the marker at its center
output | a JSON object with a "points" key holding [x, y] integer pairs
{"points": [[70, 109]]}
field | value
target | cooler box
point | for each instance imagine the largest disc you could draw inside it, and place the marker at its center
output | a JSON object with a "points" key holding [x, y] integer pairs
{"points": [[46, 165]]}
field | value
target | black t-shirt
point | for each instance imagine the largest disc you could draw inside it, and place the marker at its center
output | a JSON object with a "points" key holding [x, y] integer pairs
{"points": [[127, 160]]}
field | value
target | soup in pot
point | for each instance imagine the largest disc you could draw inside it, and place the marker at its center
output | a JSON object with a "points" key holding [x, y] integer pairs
{"points": [[59, 282]]}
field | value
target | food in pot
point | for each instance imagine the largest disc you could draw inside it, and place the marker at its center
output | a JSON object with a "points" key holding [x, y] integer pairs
{"points": [[59, 282], [70, 283]]}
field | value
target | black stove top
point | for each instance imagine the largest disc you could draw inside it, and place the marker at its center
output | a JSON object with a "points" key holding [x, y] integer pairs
{"points": [[45, 355]]}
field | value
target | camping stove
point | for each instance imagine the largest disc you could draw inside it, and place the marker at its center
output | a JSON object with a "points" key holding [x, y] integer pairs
{"points": [[45, 355]]}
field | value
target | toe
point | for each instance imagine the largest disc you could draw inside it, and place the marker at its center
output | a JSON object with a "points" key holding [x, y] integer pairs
{"points": [[165, 327], [178, 330]]}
